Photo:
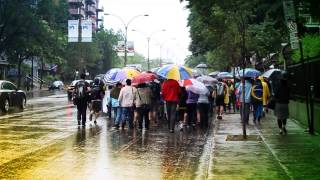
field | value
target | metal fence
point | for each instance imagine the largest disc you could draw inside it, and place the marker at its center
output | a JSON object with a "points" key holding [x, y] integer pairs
{"points": [[305, 79]]}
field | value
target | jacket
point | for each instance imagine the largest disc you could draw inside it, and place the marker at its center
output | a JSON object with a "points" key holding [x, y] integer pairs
{"points": [[247, 92], [127, 96], [170, 91], [192, 98], [143, 96]]}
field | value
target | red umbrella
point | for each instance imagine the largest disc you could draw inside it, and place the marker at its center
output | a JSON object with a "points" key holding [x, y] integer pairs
{"points": [[144, 78]]}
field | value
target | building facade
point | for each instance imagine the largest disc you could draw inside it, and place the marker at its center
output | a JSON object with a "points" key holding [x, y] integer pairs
{"points": [[85, 9]]}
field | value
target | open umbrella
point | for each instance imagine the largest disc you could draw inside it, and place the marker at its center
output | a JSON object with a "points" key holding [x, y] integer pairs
{"points": [[175, 72], [195, 86], [272, 72], [144, 78], [224, 75], [117, 74], [214, 74], [207, 80], [249, 72]]}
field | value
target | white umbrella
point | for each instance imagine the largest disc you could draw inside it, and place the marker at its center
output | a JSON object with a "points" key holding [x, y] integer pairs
{"points": [[207, 80], [195, 86]]}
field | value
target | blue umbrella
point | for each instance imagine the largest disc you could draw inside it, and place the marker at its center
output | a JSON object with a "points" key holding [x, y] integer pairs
{"points": [[224, 75], [249, 72]]}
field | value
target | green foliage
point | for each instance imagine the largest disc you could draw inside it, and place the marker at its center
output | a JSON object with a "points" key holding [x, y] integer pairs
{"points": [[311, 47]]}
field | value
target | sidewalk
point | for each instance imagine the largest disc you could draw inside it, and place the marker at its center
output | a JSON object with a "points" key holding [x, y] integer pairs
{"points": [[292, 156]]}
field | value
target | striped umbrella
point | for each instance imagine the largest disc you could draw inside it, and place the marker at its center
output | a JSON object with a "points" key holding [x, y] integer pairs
{"points": [[118, 75], [175, 72]]}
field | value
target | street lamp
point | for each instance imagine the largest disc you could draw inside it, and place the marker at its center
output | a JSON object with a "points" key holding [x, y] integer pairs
{"points": [[126, 25], [148, 39]]}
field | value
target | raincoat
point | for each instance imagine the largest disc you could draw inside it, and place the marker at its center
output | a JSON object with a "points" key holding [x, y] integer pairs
{"points": [[265, 92]]}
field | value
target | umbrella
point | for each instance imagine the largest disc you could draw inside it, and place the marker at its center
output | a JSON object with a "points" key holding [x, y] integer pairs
{"points": [[214, 74], [144, 78], [175, 72], [249, 72], [196, 73], [224, 75], [116, 74], [271, 72], [207, 80], [195, 86]]}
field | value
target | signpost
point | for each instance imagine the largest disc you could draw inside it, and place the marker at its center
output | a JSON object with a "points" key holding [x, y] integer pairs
{"points": [[288, 8]]}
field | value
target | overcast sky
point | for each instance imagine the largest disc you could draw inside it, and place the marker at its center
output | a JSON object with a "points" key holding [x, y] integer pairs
{"points": [[163, 14]]}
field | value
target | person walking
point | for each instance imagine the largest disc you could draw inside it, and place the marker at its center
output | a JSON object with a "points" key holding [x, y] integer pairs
{"points": [[182, 107], [265, 94], [192, 108], [97, 93], [257, 96], [114, 95], [170, 94], [219, 94], [282, 96], [127, 100], [143, 101], [203, 106], [81, 98], [245, 102], [232, 96]]}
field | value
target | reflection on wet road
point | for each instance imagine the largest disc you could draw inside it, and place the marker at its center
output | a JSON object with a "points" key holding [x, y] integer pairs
{"points": [[44, 142]]}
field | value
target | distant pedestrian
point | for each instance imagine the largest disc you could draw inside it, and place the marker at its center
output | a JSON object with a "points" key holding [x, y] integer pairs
{"points": [[171, 94], [219, 94], [155, 100], [114, 95], [282, 96], [81, 98], [257, 98], [203, 106], [127, 102], [143, 101], [232, 96], [192, 108], [246, 100], [265, 94]]}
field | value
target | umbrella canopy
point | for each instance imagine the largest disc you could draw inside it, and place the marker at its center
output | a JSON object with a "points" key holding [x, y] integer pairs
{"points": [[224, 75], [214, 74], [195, 86], [207, 80], [175, 72], [249, 72], [143, 78], [271, 72], [202, 66], [117, 74]]}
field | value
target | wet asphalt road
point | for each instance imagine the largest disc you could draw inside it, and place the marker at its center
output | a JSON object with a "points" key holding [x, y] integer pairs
{"points": [[44, 142]]}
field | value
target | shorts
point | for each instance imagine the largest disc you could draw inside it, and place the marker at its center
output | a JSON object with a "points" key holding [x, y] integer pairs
{"points": [[219, 101], [96, 105]]}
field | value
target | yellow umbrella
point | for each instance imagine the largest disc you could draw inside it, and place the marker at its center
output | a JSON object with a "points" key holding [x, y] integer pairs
{"points": [[175, 72]]}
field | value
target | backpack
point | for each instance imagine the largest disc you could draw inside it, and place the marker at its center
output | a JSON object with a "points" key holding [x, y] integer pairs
{"points": [[81, 90], [220, 90], [155, 89]]}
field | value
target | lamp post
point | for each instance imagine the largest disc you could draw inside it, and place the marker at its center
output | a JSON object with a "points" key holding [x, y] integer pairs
{"points": [[148, 39], [126, 25]]}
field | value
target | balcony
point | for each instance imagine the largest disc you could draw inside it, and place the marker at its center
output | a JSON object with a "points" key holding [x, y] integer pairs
{"points": [[77, 12], [91, 10], [76, 2], [90, 2]]}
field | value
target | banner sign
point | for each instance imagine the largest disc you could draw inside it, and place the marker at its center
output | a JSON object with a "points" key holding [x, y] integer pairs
{"points": [[73, 30], [86, 27], [289, 14], [120, 48]]}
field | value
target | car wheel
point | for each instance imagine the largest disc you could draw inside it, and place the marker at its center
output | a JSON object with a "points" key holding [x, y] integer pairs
{"points": [[6, 106], [23, 103]]}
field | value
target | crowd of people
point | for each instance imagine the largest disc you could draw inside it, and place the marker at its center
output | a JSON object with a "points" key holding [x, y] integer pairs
{"points": [[169, 100]]}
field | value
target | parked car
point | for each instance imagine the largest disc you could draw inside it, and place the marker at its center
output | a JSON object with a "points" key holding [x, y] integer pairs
{"points": [[10, 96], [70, 88], [56, 85]]}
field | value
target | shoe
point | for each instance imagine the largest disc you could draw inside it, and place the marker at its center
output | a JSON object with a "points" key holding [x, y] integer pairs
{"points": [[284, 130], [95, 121], [280, 132], [79, 123], [171, 131]]}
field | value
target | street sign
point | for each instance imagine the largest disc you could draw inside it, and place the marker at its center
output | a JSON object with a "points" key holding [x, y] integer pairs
{"points": [[73, 30], [288, 8], [86, 27]]}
